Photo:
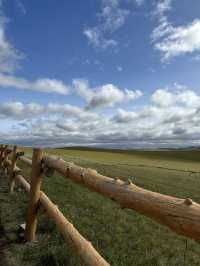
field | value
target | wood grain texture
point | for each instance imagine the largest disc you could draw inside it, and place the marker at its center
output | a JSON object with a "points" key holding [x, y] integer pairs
{"points": [[180, 215], [83, 247]]}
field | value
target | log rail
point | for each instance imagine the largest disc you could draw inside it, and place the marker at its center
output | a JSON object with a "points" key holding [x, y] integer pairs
{"points": [[180, 215]]}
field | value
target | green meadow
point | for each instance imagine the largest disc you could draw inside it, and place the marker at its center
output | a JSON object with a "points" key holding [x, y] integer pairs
{"points": [[122, 237]]}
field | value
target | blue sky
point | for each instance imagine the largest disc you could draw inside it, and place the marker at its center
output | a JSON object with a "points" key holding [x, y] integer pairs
{"points": [[119, 73]]}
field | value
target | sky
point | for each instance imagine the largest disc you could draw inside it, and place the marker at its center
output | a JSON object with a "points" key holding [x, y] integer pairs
{"points": [[108, 73]]}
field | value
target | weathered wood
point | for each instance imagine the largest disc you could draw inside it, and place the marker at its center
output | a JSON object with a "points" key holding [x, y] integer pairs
{"points": [[2, 155], [20, 153], [84, 248], [25, 160], [12, 168], [180, 215], [6, 153], [36, 179], [1, 152], [23, 182]]}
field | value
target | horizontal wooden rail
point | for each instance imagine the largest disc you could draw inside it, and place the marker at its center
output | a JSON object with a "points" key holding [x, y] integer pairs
{"points": [[25, 160], [84, 248], [180, 215]]}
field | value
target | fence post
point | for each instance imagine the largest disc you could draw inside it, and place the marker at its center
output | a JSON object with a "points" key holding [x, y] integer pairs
{"points": [[36, 180], [2, 155], [5, 158], [12, 168]]}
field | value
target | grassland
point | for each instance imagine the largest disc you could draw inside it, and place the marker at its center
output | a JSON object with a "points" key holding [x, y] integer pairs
{"points": [[123, 237]]}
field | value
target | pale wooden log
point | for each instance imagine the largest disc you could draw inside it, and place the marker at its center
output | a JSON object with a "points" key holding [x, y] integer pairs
{"points": [[84, 248], [23, 182], [36, 179], [87, 253], [25, 160], [12, 168], [180, 215]]}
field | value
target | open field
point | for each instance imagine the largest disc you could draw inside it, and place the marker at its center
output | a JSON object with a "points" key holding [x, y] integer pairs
{"points": [[123, 237]]}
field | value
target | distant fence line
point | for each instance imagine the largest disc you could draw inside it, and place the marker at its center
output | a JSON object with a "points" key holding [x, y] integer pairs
{"points": [[180, 215]]}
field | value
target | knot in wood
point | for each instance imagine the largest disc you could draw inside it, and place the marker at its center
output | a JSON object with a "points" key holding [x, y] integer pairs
{"points": [[68, 169], [19, 153], [17, 172], [128, 182], [48, 171], [188, 201], [82, 174]]}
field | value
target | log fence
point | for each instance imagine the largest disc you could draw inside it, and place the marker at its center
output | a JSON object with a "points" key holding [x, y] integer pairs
{"points": [[180, 215]]}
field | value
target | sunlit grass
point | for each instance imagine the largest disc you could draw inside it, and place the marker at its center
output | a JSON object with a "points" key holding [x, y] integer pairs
{"points": [[123, 237]]}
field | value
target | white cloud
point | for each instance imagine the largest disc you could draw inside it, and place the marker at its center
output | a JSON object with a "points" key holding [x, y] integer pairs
{"points": [[172, 40], [9, 55], [112, 15], [163, 97], [186, 97], [110, 18], [19, 110], [162, 6], [104, 96], [158, 124], [179, 40], [42, 85], [124, 116], [96, 38]]}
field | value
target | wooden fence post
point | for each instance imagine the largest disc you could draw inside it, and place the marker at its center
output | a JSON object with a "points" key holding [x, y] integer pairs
{"points": [[12, 167], [36, 180], [5, 158], [2, 155]]}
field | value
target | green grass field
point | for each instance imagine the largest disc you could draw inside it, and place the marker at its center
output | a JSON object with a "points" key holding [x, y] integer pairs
{"points": [[122, 237]]}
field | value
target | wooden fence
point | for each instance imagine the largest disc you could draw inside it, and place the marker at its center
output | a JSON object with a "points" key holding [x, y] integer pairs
{"points": [[180, 215]]}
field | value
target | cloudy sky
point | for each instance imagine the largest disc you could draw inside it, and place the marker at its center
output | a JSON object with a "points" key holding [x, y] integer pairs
{"points": [[112, 73]]}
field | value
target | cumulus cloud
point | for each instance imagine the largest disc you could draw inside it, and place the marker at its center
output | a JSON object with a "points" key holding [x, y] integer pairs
{"points": [[165, 97], [104, 96], [19, 110], [42, 85], [172, 118], [124, 116], [180, 40], [172, 40]]}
